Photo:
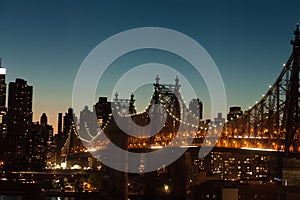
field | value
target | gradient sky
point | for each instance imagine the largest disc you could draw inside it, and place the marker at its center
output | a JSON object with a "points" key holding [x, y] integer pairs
{"points": [[45, 42]]}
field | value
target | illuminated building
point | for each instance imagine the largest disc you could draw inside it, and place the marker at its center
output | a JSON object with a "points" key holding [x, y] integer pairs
{"points": [[39, 142], [19, 107], [291, 172], [69, 120], [2, 88], [19, 119], [103, 110], [229, 166], [219, 122], [235, 112], [3, 127], [233, 116]]}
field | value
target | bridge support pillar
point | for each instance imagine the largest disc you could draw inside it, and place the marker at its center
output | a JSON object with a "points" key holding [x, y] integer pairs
{"points": [[118, 180], [178, 175]]}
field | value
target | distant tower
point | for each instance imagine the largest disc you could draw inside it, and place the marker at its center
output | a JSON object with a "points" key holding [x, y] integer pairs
{"points": [[219, 121], [131, 105], [69, 121], [44, 119], [196, 107], [156, 92], [59, 124], [177, 85]]}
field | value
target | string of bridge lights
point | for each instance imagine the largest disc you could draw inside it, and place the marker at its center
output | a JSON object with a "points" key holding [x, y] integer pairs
{"points": [[271, 88], [163, 103], [145, 111]]}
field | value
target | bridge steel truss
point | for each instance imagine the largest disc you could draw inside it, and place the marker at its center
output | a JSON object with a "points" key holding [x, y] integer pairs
{"points": [[276, 115], [172, 108]]}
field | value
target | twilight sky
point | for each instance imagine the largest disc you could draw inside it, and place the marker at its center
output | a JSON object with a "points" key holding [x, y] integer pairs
{"points": [[45, 42]]}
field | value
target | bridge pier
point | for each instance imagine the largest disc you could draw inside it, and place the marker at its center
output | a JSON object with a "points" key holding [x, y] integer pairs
{"points": [[118, 180], [172, 183], [178, 175]]}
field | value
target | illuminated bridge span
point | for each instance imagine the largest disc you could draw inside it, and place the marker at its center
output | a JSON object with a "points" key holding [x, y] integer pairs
{"points": [[272, 124], [165, 121], [275, 118]]}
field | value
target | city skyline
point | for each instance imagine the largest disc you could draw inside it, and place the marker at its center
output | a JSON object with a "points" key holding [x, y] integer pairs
{"points": [[45, 44]]}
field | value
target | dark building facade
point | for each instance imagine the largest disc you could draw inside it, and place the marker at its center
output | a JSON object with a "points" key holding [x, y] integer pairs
{"points": [[44, 119], [59, 123], [234, 113], [19, 119], [39, 141], [65, 128], [3, 127], [69, 120], [103, 110], [19, 107]]}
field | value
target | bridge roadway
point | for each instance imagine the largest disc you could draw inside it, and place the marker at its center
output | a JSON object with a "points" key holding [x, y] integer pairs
{"points": [[236, 142], [243, 150]]}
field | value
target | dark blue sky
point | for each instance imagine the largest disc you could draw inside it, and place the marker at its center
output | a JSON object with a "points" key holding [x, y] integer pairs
{"points": [[45, 42]]}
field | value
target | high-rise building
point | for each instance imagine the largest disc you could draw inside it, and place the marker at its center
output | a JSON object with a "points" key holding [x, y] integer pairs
{"points": [[44, 119], [233, 127], [103, 110], [2, 110], [2, 88], [196, 107], [19, 119], [59, 124], [219, 122], [40, 144], [19, 107], [70, 120]]}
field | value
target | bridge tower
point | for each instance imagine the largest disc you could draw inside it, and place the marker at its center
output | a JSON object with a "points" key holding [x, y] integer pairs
{"points": [[293, 97], [132, 109]]}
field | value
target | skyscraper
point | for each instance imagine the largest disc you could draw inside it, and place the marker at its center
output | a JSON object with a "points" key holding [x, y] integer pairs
{"points": [[44, 119], [2, 88], [59, 124], [70, 120], [19, 119], [2, 109], [19, 107]]}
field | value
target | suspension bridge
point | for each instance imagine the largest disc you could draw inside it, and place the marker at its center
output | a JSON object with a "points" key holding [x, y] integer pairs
{"points": [[272, 124]]}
